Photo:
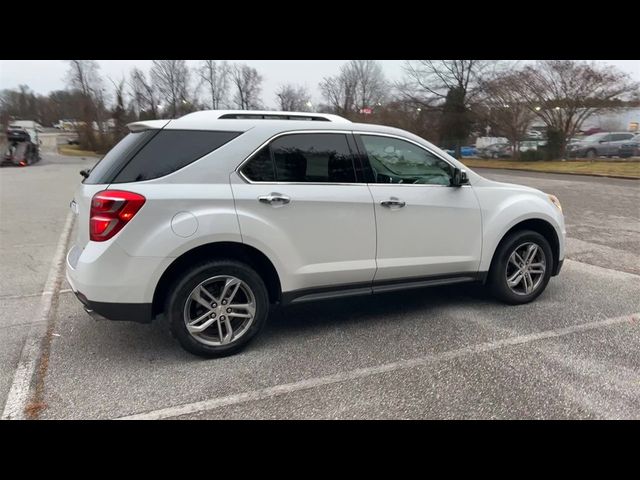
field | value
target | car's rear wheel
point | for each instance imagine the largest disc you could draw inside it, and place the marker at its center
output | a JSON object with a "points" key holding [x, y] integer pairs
{"points": [[216, 308], [521, 267]]}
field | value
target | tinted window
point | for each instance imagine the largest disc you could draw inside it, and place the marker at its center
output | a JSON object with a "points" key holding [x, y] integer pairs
{"points": [[313, 157], [170, 150], [398, 161], [118, 156], [621, 136], [260, 167]]}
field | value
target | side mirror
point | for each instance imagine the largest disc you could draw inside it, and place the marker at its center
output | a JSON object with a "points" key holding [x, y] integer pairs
{"points": [[459, 178]]}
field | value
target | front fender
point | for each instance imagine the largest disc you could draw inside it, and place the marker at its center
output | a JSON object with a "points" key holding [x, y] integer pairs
{"points": [[501, 211]]}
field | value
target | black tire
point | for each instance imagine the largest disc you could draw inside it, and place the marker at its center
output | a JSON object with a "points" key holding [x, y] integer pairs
{"points": [[591, 154], [497, 275], [189, 280]]}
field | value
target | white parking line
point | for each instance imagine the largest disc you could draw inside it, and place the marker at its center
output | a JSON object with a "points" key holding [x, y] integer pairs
{"points": [[20, 387], [282, 389], [29, 295]]}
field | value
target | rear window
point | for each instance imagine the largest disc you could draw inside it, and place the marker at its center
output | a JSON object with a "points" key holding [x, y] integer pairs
{"points": [[105, 170], [152, 154]]}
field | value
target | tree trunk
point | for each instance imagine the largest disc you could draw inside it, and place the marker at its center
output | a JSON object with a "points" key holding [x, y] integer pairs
{"points": [[516, 148]]}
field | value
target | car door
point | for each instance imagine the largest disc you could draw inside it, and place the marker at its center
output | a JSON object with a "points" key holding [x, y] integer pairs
{"points": [[425, 228], [617, 139], [602, 147], [299, 201]]}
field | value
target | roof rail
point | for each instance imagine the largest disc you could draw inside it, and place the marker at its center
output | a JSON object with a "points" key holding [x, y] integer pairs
{"points": [[264, 115]]}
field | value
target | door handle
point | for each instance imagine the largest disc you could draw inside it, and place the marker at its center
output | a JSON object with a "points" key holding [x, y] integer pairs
{"points": [[393, 202], [274, 199]]}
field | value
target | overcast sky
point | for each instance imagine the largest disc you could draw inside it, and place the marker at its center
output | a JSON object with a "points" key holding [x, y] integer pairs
{"points": [[43, 76]]}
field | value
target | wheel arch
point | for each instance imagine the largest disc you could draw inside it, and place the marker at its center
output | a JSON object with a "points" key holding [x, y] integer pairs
{"points": [[231, 250], [539, 225]]}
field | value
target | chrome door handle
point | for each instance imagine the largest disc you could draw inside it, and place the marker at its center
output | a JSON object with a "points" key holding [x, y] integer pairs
{"points": [[274, 199], [393, 202]]}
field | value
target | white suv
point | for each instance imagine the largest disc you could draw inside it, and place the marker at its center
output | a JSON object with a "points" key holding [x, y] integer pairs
{"points": [[213, 217]]}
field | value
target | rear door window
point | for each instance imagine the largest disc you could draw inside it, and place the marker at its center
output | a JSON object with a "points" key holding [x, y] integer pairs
{"points": [[303, 158], [621, 136], [260, 167], [313, 158]]}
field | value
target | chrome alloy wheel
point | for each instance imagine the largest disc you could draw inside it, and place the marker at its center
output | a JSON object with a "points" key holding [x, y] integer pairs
{"points": [[526, 268], [219, 310]]}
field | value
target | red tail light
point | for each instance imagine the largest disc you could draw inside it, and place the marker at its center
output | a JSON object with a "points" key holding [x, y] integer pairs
{"points": [[111, 210]]}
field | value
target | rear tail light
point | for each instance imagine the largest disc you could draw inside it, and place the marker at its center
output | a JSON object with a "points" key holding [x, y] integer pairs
{"points": [[111, 210]]}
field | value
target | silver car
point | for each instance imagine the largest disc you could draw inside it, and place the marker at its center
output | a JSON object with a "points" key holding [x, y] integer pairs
{"points": [[604, 144]]}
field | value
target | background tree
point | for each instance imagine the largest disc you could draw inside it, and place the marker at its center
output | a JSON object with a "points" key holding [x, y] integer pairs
{"points": [[248, 85], [507, 112], [359, 84], [452, 86], [339, 92], [119, 113], [171, 79], [84, 76], [371, 86], [145, 97], [565, 93], [20, 104], [293, 98], [215, 77]]}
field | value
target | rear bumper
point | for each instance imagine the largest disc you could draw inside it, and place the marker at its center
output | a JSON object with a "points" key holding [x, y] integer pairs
{"points": [[126, 312], [111, 284]]}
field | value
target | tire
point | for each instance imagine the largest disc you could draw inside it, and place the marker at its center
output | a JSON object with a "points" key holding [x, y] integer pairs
{"points": [[501, 268], [591, 154], [180, 305]]}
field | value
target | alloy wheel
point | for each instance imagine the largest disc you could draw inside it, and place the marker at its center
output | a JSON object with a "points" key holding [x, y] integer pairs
{"points": [[219, 310], [526, 268]]}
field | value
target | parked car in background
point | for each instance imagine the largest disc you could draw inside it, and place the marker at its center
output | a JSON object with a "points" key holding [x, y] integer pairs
{"points": [[604, 144], [497, 150], [535, 134], [469, 151], [630, 148]]}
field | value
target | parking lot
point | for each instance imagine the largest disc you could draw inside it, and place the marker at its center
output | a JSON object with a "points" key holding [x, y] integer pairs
{"points": [[447, 352]]}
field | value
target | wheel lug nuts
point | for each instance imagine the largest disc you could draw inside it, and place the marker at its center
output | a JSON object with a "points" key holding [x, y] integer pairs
{"points": [[228, 310], [222, 317], [224, 302], [213, 315]]}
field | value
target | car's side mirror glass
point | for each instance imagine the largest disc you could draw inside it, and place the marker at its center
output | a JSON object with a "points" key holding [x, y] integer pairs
{"points": [[459, 178], [464, 178]]}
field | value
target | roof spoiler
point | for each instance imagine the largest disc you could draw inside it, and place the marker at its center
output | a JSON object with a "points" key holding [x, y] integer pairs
{"points": [[147, 125]]}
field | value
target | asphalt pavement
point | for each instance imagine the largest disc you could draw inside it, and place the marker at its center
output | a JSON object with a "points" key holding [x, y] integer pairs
{"points": [[448, 352]]}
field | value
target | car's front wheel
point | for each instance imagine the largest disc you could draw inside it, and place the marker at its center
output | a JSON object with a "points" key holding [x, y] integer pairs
{"points": [[521, 268], [216, 308]]}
